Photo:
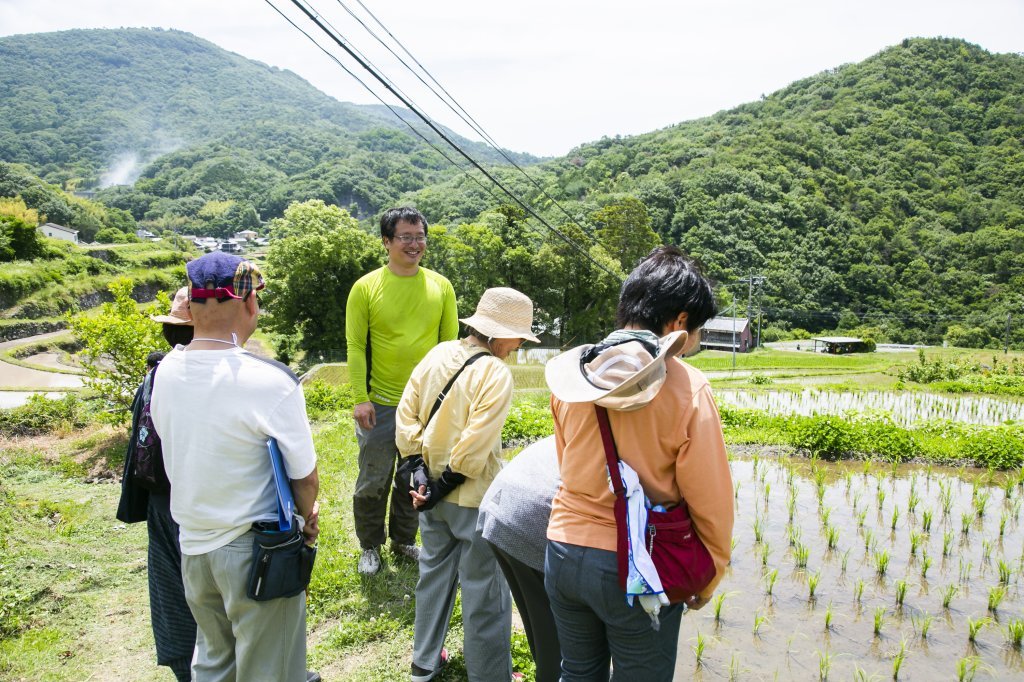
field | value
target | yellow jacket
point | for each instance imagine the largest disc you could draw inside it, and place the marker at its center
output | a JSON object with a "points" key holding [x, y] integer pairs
{"points": [[466, 431]]}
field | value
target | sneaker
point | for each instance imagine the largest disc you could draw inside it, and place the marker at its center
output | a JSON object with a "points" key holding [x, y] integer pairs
{"points": [[423, 675], [312, 676], [369, 562], [411, 552]]}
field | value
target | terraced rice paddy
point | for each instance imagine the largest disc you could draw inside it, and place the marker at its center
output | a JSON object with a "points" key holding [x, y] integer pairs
{"points": [[859, 571]]}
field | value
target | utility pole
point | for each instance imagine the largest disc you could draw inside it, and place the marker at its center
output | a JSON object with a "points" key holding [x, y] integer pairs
{"points": [[734, 334], [751, 280]]}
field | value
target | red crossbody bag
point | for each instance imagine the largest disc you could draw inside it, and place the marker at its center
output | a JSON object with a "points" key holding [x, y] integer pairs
{"points": [[684, 564]]}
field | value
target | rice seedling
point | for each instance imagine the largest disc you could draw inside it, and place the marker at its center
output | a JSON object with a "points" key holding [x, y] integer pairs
{"points": [[1003, 518], [717, 603], [767, 493], [812, 584], [947, 543], [800, 554], [948, 594], [759, 620], [901, 592], [733, 543], [791, 506], [869, 535], [795, 534], [986, 551], [734, 667], [995, 597], [865, 468], [861, 675], [879, 620], [922, 624], [981, 504], [736, 490], [976, 626], [758, 530], [828, 616], [858, 591], [846, 558], [965, 523], [926, 563], [926, 520], [765, 551], [915, 542], [895, 516], [1015, 632], [771, 579], [825, 513], [861, 516], [898, 659], [698, 649], [824, 665], [832, 537], [965, 570], [967, 668], [856, 499], [881, 562], [880, 496], [848, 479], [1004, 572], [912, 501], [819, 492]]}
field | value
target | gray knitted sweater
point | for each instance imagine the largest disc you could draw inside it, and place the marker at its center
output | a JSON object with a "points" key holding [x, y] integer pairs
{"points": [[514, 512]]}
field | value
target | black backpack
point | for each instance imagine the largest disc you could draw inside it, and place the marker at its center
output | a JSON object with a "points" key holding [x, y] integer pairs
{"points": [[148, 467]]}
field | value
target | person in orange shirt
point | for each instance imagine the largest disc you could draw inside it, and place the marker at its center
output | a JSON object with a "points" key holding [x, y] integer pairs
{"points": [[666, 427]]}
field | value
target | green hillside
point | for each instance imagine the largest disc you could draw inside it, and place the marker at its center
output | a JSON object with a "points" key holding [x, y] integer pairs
{"points": [[84, 108], [888, 193]]}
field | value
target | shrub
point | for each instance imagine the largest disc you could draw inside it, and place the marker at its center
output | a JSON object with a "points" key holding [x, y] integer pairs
{"points": [[1001, 447], [825, 436], [882, 436], [322, 398], [43, 415], [527, 421]]}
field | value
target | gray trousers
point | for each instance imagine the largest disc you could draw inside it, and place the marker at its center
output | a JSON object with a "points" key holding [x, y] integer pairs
{"points": [[454, 552], [377, 457], [241, 639]]}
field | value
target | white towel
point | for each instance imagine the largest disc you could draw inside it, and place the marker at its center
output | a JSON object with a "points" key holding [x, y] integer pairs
{"points": [[642, 580]]}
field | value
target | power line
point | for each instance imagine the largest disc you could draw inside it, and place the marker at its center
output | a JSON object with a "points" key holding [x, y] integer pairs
{"points": [[450, 102], [315, 18]]}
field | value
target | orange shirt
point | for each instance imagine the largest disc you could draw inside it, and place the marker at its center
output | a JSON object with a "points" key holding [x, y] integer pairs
{"points": [[674, 444]]}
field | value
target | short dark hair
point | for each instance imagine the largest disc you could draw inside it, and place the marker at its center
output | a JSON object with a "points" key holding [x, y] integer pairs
{"points": [[392, 216], [666, 283], [176, 334]]}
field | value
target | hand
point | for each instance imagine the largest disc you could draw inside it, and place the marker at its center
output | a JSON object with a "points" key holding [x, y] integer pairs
{"points": [[419, 497], [437, 490], [365, 415], [312, 528], [697, 603]]}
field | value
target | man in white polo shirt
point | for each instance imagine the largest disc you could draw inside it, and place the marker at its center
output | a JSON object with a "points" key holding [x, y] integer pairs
{"points": [[214, 406]]}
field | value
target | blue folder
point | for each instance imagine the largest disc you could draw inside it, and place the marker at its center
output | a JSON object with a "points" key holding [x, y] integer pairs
{"points": [[285, 501]]}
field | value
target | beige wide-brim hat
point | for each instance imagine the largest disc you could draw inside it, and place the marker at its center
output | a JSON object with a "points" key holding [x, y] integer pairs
{"points": [[621, 377], [180, 312], [503, 313]]}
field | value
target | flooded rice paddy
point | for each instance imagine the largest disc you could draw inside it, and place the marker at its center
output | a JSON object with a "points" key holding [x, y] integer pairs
{"points": [[861, 571], [906, 408]]}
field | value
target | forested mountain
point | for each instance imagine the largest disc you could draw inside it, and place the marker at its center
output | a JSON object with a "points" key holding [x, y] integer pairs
{"points": [[83, 106], [887, 193]]}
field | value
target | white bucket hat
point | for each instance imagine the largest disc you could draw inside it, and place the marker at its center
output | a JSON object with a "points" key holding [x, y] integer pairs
{"points": [[503, 313], [621, 377]]}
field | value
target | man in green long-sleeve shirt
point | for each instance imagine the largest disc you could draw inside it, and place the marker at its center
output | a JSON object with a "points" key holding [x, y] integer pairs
{"points": [[393, 317]]}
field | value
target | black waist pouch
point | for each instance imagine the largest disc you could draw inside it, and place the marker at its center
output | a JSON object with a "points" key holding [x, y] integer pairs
{"points": [[282, 563]]}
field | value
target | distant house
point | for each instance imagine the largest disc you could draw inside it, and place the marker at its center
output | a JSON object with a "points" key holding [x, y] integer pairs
{"points": [[838, 345], [231, 246], [55, 231], [247, 235], [727, 333], [144, 234]]}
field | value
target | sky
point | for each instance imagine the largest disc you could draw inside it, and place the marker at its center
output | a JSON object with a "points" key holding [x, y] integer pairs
{"points": [[543, 76]]}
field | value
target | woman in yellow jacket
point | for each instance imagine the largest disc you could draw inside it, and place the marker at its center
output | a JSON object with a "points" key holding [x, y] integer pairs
{"points": [[461, 446]]}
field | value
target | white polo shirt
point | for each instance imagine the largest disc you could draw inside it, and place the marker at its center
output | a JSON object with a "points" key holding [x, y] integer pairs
{"points": [[214, 411]]}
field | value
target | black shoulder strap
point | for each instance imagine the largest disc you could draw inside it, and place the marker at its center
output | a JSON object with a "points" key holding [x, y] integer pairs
{"points": [[451, 382]]}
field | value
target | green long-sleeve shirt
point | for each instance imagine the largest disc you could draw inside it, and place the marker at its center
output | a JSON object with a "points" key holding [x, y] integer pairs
{"points": [[391, 322]]}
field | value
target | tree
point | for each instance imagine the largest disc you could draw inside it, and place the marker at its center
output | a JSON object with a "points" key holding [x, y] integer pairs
{"points": [[116, 343], [625, 231], [311, 272], [19, 238]]}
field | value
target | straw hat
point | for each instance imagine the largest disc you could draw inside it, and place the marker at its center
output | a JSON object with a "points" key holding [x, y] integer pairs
{"points": [[503, 313], [623, 376], [180, 313]]}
